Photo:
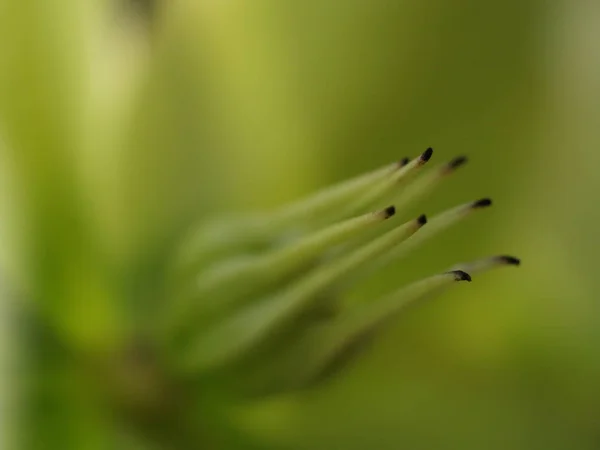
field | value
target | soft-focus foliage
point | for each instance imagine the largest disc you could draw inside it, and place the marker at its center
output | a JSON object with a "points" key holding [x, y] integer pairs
{"points": [[118, 131]]}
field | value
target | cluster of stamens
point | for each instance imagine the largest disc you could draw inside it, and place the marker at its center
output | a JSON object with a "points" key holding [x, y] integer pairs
{"points": [[255, 288]]}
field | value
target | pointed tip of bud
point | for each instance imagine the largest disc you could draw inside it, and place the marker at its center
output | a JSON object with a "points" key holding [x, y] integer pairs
{"points": [[426, 155], [422, 220], [403, 162], [389, 212], [457, 162], [510, 260], [483, 203], [460, 275]]}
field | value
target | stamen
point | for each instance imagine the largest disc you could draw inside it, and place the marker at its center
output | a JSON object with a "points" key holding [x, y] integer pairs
{"points": [[255, 322], [353, 328], [219, 239], [436, 225], [228, 282], [333, 197], [485, 264], [379, 191], [427, 183]]}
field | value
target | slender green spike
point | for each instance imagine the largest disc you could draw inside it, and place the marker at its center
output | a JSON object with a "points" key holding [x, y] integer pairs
{"points": [[435, 226], [485, 264], [352, 329], [231, 281], [422, 186], [379, 191], [219, 238], [337, 342], [250, 326], [327, 347], [333, 197], [297, 254]]}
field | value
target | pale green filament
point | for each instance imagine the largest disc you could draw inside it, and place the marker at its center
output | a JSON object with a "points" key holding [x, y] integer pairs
{"points": [[425, 184], [383, 188], [436, 225], [249, 326], [350, 328], [335, 197], [231, 281], [485, 264], [220, 238], [362, 322], [417, 189]]}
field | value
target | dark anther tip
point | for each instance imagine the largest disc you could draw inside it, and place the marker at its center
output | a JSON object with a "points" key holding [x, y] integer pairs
{"points": [[461, 275], [511, 260], [483, 203], [426, 156], [389, 211], [457, 162], [403, 162], [422, 219]]}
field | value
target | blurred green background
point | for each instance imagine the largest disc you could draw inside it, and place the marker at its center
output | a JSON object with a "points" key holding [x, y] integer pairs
{"points": [[118, 126]]}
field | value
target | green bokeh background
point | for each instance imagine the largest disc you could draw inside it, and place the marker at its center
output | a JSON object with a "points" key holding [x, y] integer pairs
{"points": [[116, 132]]}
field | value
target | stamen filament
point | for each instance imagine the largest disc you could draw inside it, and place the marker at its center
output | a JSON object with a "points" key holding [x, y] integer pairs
{"points": [[435, 226], [224, 285], [379, 191], [250, 326], [422, 186], [485, 264], [220, 238], [353, 328]]}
